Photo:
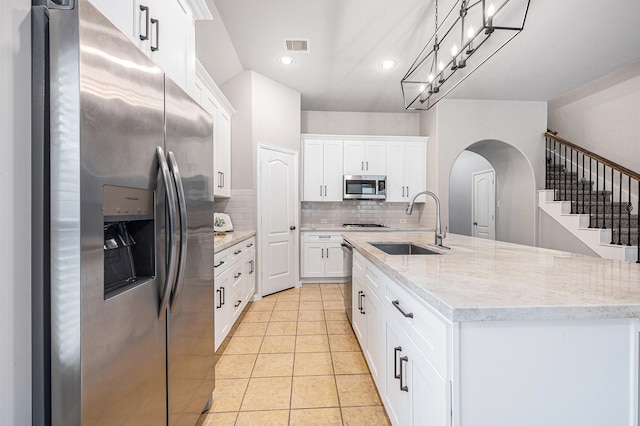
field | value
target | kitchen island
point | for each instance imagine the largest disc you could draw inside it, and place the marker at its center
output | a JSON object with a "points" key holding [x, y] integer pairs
{"points": [[492, 333]]}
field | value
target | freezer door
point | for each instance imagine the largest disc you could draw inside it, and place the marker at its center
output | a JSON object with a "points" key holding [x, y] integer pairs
{"points": [[189, 146], [123, 339]]}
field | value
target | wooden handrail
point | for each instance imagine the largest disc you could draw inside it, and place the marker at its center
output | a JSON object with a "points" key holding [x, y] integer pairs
{"points": [[615, 166]]}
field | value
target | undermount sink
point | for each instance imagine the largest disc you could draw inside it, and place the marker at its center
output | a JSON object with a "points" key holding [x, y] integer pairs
{"points": [[403, 249]]}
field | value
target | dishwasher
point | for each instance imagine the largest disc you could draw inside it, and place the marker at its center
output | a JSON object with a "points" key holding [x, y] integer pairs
{"points": [[348, 248]]}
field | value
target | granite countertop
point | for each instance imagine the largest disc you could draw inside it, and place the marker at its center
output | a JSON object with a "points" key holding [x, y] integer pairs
{"points": [[222, 242], [484, 280]]}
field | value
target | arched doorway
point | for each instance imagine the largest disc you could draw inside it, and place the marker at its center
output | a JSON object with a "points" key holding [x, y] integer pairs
{"points": [[515, 209]]}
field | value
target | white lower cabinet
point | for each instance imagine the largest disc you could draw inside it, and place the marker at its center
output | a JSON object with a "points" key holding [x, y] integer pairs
{"points": [[414, 392], [323, 256], [395, 345], [235, 284]]}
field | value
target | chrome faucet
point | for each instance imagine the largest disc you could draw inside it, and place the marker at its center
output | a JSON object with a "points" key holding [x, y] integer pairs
{"points": [[439, 235]]}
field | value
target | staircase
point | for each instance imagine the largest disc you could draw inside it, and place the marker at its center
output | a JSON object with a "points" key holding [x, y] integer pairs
{"points": [[593, 198]]}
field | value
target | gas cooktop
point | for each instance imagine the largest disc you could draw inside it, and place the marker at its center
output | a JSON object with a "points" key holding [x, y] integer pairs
{"points": [[363, 225]]}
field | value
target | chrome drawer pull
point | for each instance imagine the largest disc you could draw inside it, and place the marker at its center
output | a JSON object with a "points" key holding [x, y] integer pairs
{"points": [[219, 264], [396, 304]]}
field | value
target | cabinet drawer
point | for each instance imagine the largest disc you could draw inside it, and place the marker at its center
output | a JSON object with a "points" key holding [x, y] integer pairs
{"points": [[321, 238], [222, 261], [358, 262], [249, 245], [429, 332]]}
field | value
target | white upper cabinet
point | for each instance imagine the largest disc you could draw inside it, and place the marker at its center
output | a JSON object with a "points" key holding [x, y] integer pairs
{"points": [[163, 29], [365, 157], [322, 170], [406, 169], [214, 102]]}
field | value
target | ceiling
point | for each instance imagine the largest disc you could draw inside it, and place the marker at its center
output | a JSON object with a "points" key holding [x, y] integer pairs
{"points": [[564, 45]]}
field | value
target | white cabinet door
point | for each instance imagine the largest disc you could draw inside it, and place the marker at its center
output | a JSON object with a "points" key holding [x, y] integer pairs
{"points": [[354, 158], [333, 170], [168, 38], [222, 152], [396, 187], [358, 318], [313, 260], [375, 153], [333, 260], [398, 401], [375, 339], [430, 395], [415, 169], [223, 284], [121, 14], [313, 170]]}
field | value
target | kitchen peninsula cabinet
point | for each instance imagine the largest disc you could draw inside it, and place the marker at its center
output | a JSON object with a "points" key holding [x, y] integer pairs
{"points": [[462, 346], [164, 30], [321, 169]]}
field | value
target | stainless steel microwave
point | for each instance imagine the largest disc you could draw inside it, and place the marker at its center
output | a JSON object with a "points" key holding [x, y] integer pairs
{"points": [[358, 187]]}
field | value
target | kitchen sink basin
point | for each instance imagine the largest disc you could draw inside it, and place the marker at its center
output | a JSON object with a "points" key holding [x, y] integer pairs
{"points": [[403, 249]]}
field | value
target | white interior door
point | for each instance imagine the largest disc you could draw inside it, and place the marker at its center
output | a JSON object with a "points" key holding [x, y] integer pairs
{"points": [[277, 219], [484, 210]]}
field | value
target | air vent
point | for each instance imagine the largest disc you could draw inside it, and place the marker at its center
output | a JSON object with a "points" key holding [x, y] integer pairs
{"points": [[299, 45]]}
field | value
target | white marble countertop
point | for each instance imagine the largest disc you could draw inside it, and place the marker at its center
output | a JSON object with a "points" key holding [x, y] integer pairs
{"points": [[222, 242], [340, 228], [483, 280]]}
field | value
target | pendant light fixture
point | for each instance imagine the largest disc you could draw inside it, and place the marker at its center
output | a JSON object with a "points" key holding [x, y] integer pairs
{"points": [[470, 34]]}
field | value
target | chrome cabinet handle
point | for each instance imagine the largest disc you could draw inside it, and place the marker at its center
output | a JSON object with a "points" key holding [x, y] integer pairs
{"points": [[156, 22], [367, 165], [251, 270], [397, 349], [223, 180], [321, 190], [321, 253], [171, 211], [237, 304], [219, 292], [325, 190], [249, 245], [403, 388], [145, 9], [396, 304], [237, 275], [407, 191], [182, 208], [403, 191], [237, 252], [219, 264], [223, 295], [362, 296], [362, 167], [360, 301]]}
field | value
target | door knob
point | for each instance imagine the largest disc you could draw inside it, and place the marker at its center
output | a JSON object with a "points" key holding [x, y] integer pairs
{"points": [[292, 228], [475, 223]]}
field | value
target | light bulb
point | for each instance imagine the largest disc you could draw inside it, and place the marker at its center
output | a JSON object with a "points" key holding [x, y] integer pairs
{"points": [[470, 33], [491, 10], [440, 66], [454, 50], [422, 87], [430, 78]]}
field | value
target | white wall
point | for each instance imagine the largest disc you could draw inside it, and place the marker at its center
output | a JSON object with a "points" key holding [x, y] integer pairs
{"points": [[602, 116], [361, 123], [456, 124], [214, 48], [461, 190], [15, 212], [555, 236]]}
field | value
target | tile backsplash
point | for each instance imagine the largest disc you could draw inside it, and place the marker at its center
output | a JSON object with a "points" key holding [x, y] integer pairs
{"points": [[241, 208], [360, 211]]}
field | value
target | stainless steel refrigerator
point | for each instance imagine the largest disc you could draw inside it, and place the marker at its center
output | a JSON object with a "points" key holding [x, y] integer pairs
{"points": [[123, 230]]}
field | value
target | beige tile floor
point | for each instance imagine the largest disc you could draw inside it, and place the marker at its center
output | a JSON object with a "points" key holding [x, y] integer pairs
{"points": [[294, 360]]}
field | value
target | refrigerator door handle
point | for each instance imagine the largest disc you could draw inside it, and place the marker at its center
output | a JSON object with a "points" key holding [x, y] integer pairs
{"points": [[171, 209], [182, 209]]}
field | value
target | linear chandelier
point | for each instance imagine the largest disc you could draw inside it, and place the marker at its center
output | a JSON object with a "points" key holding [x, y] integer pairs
{"points": [[470, 34]]}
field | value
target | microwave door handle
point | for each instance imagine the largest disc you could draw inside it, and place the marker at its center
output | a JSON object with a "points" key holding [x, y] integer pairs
{"points": [[182, 204], [170, 273]]}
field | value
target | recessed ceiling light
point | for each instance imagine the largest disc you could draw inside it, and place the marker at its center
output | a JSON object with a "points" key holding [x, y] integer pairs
{"points": [[286, 60], [387, 64]]}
